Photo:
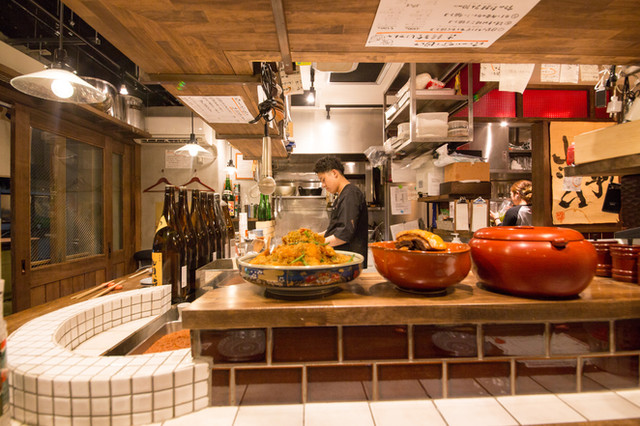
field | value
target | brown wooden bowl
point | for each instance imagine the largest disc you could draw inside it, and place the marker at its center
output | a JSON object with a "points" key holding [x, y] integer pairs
{"points": [[422, 271]]}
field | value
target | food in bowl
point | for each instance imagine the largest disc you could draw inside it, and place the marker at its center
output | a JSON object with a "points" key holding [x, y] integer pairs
{"points": [[419, 239], [302, 247], [427, 272]]}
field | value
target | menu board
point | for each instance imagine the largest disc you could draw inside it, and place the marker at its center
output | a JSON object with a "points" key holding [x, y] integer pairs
{"points": [[433, 24], [219, 109]]}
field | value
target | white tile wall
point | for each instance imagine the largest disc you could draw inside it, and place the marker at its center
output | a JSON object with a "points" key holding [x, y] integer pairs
{"points": [[82, 388]]}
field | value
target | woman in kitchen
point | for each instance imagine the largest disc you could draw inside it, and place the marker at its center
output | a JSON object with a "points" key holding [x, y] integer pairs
{"points": [[349, 220], [520, 213]]}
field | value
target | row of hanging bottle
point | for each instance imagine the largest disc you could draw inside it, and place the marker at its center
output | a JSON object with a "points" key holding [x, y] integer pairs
{"points": [[187, 240]]}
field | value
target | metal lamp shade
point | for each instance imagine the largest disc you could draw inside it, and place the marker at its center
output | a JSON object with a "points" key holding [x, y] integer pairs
{"points": [[58, 85]]}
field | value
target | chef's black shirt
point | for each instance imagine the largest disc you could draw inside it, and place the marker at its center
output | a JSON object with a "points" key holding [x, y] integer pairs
{"points": [[349, 221]]}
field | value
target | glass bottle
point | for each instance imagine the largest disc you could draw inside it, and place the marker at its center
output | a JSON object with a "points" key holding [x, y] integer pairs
{"points": [[202, 236], [211, 234], [215, 227], [189, 237], [167, 251], [227, 196], [267, 215], [227, 222], [262, 208]]}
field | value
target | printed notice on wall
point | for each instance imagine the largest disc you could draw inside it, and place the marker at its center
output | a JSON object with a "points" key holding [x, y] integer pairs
{"points": [[219, 109], [433, 24], [172, 160], [400, 203]]}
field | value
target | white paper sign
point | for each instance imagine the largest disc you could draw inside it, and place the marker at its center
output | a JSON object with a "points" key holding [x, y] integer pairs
{"points": [[219, 109], [489, 72], [589, 73], [569, 73], [400, 203], [433, 24], [479, 215], [550, 73], [176, 161], [515, 77], [462, 216]]}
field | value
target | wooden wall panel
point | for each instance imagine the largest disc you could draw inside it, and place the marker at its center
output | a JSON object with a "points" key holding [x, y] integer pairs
{"points": [[52, 291], [37, 296], [66, 286], [77, 283]]}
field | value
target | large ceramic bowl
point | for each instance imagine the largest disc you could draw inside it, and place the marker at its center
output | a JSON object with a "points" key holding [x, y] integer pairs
{"points": [[533, 261], [301, 281], [422, 271]]}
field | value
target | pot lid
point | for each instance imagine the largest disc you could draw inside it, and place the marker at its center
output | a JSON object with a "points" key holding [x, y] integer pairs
{"points": [[529, 233]]}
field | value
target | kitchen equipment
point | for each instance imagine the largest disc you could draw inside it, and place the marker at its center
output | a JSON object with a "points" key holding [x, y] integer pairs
{"points": [[132, 110], [603, 269], [110, 105], [285, 189], [432, 124], [458, 128], [309, 191], [300, 282], [403, 130], [624, 261], [424, 272], [533, 261]]}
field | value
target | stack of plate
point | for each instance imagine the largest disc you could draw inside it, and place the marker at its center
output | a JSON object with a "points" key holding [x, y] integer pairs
{"points": [[458, 128]]}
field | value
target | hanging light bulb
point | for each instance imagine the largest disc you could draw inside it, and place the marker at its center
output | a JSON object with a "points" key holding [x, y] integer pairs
{"points": [[123, 89], [231, 168], [58, 83], [192, 147]]}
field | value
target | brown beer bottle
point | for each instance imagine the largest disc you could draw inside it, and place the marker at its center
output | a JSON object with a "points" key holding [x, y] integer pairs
{"points": [[202, 236], [168, 251], [189, 237], [213, 224], [227, 222]]}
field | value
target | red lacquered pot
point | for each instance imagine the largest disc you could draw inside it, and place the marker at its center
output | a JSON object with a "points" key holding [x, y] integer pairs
{"points": [[604, 256], [624, 261], [533, 261]]}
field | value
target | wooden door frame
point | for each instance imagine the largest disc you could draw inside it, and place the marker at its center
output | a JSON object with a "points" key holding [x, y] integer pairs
{"points": [[75, 274]]}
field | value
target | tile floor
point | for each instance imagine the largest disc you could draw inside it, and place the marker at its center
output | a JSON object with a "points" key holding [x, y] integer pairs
{"points": [[505, 410]]}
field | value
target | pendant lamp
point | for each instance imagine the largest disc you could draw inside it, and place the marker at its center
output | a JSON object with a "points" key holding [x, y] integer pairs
{"points": [[59, 82], [192, 147]]}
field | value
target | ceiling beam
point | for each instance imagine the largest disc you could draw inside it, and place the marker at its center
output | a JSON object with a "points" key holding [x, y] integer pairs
{"points": [[283, 37], [200, 78]]}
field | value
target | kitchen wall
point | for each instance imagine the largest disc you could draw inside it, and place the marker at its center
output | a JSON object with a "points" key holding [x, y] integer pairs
{"points": [[211, 172], [348, 131]]}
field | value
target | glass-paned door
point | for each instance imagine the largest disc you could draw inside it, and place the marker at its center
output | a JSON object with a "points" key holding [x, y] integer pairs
{"points": [[117, 200], [66, 199]]}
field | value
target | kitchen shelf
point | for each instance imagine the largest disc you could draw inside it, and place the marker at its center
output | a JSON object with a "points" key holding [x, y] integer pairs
{"points": [[419, 101], [620, 166], [517, 152], [510, 172]]}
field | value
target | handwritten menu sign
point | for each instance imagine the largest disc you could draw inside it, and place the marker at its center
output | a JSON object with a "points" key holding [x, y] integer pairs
{"points": [[433, 24], [219, 109]]}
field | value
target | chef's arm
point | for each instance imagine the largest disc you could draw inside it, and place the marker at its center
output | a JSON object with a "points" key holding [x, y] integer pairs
{"points": [[333, 241]]}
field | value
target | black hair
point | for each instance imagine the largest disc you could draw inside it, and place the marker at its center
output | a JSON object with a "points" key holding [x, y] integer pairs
{"points": [[328, 163]]}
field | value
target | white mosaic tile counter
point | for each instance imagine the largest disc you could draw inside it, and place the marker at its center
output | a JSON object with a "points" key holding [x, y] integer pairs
{"points": [[52, 385]]}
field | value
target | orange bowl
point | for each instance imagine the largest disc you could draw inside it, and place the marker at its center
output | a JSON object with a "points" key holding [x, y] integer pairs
{"points": [[422, 271]]}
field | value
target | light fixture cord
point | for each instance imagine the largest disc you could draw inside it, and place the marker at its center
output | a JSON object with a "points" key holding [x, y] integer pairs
{"points": [[60, 28]]}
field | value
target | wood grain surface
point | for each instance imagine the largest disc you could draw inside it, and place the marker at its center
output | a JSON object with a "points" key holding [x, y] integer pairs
{"points": [[223, 37], [371, 300]]}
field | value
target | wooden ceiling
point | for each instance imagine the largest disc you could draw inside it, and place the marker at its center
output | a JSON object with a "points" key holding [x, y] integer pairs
{"points": [[205, 42]]}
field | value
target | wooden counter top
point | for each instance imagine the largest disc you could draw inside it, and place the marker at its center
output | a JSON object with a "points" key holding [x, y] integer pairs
{"points": [[14, 321], [371, 300]]}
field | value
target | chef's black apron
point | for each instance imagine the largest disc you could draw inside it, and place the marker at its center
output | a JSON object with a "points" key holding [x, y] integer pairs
{"points": [[349, 221]]}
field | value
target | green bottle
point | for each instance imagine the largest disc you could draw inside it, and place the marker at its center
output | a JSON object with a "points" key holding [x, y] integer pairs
{"points": [[227, 196]]}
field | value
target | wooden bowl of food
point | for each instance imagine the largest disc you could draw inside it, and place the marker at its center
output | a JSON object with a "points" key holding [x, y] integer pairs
{"points": [[422, 271]]}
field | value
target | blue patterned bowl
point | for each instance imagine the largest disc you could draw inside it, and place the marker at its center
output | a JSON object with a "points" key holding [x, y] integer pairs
{"points": [[300, 280]]}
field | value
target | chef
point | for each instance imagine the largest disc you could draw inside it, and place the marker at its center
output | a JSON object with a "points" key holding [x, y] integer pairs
{"points": [[348, 223]]}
